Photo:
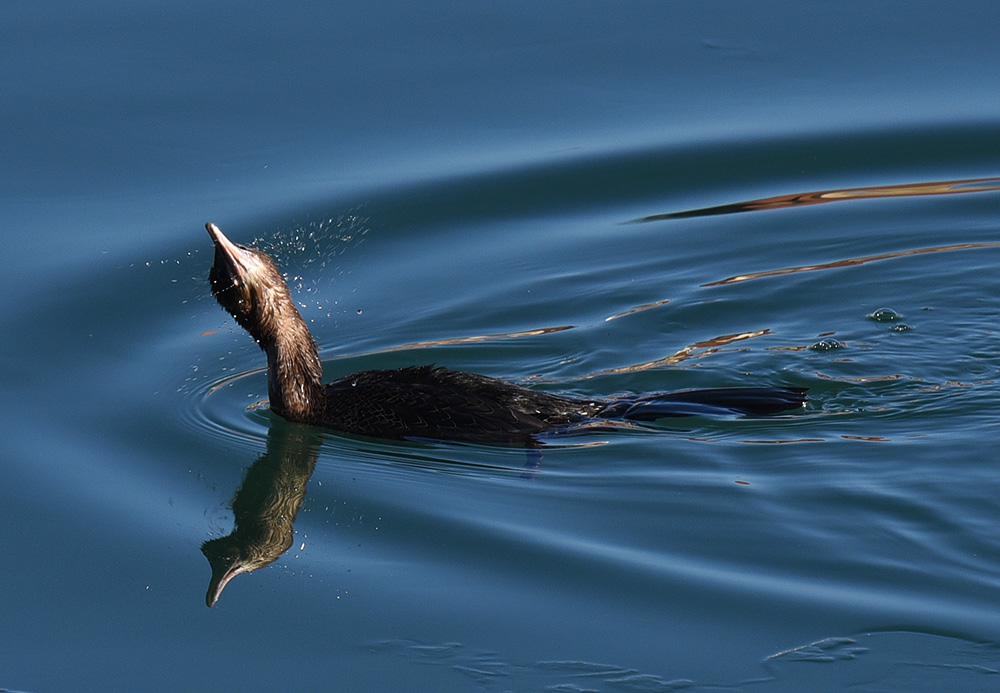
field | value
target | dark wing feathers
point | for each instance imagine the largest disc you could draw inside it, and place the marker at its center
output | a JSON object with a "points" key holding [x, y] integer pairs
{"points": [[426, 402]]}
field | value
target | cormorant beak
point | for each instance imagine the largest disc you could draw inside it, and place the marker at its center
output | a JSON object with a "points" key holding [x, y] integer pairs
{"points": [[228, 252]]}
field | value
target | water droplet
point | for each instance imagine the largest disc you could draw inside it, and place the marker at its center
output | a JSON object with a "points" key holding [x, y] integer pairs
{"points": [[901, 327]]}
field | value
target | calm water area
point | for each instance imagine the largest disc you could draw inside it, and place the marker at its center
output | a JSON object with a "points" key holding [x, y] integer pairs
{"points": [[589, 198]]}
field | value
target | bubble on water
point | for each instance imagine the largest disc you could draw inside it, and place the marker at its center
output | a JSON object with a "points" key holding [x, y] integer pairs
{"points": [[900, 327], [827, 345], [885, 315]]}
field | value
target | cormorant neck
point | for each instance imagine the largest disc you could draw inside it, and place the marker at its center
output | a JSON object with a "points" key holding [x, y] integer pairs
{"points": [[294, 370]]}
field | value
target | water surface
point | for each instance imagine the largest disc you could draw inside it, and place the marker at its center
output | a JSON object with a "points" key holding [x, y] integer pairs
{"points": [[590, 199]]}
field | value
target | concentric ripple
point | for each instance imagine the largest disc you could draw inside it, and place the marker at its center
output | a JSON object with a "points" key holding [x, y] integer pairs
{"points": [[227, 408]]}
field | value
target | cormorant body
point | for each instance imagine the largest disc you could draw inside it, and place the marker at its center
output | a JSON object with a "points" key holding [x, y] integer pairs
{"points": [[427, 402]]}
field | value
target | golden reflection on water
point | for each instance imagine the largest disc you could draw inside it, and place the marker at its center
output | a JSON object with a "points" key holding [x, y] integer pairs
{"points": [[954, 187], [472, 339], [637, 309], [851, 262], [696, 350]]}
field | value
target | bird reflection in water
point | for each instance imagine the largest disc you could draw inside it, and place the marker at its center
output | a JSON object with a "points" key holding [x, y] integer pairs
{"points": [[265, 506]]}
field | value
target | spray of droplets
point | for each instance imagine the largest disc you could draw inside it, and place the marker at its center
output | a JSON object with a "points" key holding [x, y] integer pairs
{"points": [[312, 255]]}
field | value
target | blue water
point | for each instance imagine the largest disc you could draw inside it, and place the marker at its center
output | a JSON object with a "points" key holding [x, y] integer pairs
{"points": [[590, 198]]}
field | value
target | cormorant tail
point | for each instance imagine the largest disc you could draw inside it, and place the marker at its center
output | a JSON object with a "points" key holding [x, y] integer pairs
{"points": [[722, 400]]}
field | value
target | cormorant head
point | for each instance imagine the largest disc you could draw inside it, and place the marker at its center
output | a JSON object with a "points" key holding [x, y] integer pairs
{"points": [[248, 284]]}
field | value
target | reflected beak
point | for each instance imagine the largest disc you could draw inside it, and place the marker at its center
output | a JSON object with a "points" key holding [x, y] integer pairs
{"points": [[222, 572]]}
